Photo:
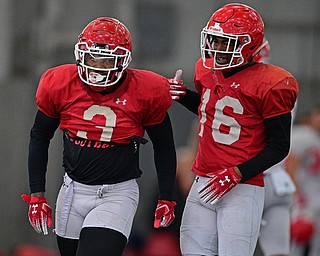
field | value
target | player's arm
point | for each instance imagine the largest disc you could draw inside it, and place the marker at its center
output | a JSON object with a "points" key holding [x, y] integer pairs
{"points": [[161, 136], [40, 213], [191, 101], [41, 133], [179, 92], [278, 131]]}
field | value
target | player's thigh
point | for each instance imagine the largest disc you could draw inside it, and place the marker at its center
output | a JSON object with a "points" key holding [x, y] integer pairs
{"points": [[315, 241], [66, 246], [68, 221], [198, 231], [274, 232], [233, 222], [116, 208], [239, 218], [101, 241], [274, 236], [110, 206]]}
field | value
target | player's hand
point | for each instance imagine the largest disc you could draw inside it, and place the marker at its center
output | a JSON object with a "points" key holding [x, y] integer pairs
{"points": [[177, 88], [220, 184], [164, 214], [40, 213]]}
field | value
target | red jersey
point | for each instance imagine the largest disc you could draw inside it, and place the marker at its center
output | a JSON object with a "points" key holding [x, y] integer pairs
{"points": [[232, 114], [141, 100]]}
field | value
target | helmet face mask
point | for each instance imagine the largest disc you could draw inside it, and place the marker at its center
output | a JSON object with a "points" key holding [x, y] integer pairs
{"points": [[102, 53], [233, 49], [241, 27]]}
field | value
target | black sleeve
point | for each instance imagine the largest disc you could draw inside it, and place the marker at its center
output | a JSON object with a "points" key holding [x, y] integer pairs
{"points": [[161, 136], [278, 131], [41, 133], [191, 101]]}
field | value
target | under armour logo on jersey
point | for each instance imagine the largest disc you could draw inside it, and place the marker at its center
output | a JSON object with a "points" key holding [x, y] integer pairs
{"points": [[34, 206], [235, 85], [118, 100], [223, 181]]}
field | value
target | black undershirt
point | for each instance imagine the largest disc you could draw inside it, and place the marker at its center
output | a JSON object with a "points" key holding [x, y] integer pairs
{"points": [[85, 163], [278, 131], [94, 162], [191, 101], [161, 136]]}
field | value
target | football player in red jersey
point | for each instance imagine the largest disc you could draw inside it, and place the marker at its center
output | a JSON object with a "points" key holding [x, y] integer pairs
{"points": [[244, 111], [103, 109]]}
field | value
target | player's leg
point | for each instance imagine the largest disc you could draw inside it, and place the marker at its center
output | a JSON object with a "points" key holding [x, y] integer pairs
{"points": [[238, 220], [111, 207], [274, 238], [312, 190], [108, 225], [298, 249], [68, 222], [235, 219], [198, 231], [314, 249], [67, 247], [108, 207], [101, 241]]}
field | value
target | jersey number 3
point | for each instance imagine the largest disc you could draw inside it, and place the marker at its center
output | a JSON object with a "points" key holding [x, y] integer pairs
{"points": [[107, 130]]}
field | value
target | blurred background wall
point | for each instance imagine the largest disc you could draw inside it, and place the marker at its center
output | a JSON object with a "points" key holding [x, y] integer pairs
{"points": [[38, 34]]}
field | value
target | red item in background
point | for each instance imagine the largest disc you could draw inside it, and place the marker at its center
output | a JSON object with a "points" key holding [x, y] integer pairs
{"points": [[162, 243], [33, 250], [302, 229]]}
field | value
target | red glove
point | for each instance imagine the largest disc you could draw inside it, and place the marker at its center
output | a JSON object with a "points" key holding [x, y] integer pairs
{"points": [[40, 213], [177, 88], [220, 184], [164, 213]]}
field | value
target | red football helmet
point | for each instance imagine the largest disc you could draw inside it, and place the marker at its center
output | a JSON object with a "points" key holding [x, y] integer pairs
{"points": [[103, 39], [302, 229], [241, 26]]}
